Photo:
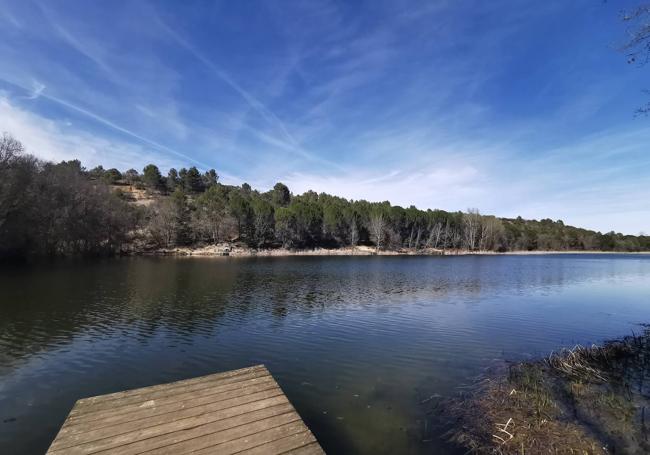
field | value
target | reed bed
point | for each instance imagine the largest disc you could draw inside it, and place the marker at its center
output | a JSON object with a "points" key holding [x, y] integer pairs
{"points": [[584, 400]]}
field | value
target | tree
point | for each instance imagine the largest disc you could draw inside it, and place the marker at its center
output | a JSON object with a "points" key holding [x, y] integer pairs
{"points": [[164, 222], [131, 176], [209, 216], [435, 234], [210, 178], [192, 180], [56, 209], [281, 195], [377, 228], [112, 176], [240, 209], [334, 222], [352, 219], [151, 177], [96, 172], [173, 180], [637, 47], [308, 218], [492, 233], [472, 229], [10, 149], [263, 221], [285, 226]]}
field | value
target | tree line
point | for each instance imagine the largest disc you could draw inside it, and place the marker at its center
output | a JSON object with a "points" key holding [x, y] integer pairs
{"points": [[64, 209]]}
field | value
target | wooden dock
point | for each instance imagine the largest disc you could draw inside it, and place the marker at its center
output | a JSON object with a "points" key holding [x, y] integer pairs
{"points": [[241, 411]]}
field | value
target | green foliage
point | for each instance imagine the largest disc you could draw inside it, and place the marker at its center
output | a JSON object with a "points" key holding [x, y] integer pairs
{"points": [[263, 221], [308, 216], [191, 180], [151, 177], [63, 209], [210, 178], [240, 209], [285, 226], [112, 176], [280, 195], [173, 181]]}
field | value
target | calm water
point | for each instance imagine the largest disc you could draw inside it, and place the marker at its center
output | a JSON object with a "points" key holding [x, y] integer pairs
{"points": [[356, 343]]}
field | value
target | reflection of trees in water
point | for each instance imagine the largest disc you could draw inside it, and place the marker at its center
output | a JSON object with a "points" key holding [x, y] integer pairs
{"points": [[45, 307], [181, 297]]}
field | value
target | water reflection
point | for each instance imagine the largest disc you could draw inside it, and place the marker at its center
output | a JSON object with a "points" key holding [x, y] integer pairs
{"points": [[357, 343]]}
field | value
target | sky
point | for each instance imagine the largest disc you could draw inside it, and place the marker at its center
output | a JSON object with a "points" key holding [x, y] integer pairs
{"points": [[517, 108]]}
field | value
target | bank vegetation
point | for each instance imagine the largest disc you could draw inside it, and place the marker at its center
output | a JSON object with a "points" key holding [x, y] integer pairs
{"points": [[585, 400], [65, 209]]}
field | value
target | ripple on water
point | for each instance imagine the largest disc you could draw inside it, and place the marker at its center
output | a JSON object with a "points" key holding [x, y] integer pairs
{"points": [[355, 342]]}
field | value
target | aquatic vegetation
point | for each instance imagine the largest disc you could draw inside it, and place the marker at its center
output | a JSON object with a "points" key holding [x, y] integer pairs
{"points": [[585, 400]]}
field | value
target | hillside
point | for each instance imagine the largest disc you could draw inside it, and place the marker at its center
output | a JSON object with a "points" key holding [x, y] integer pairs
{"points": [[63, 208]]}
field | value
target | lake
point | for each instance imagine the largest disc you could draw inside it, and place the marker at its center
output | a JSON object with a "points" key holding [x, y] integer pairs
{"points": [[357, 343]]}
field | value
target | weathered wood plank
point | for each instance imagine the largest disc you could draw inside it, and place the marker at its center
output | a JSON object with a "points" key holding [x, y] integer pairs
{"points": [[161, 431], [172, 391], [168, 404], [158, 425], [166, 423], [238, 411], [283, 445], [175, 437], [232, 439], [228, 374], [312, 449], [177, 412]]}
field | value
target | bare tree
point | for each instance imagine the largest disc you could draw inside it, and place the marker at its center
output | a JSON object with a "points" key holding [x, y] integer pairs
{"points": [[164, 223], [491, 233], [10, 148], [435, 234], [417, 238], [455, 237], [354, 231], [208, 223], [472, 228], [377, 227], [637, 46]]}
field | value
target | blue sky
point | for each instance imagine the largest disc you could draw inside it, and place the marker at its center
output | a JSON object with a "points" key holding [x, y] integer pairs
{"points": [[514, 107]]}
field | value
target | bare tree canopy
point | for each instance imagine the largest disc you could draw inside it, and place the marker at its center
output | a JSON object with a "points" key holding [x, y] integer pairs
{"points": [[637, 47]]}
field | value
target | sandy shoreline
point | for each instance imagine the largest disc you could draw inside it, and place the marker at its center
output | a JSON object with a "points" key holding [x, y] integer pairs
{"points": [[238, 251]]}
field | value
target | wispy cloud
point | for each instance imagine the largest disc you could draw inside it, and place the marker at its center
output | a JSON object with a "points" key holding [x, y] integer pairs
{"points": [[451, 104], [287, 141], [37, 90], [57, 141], [116, 127]]}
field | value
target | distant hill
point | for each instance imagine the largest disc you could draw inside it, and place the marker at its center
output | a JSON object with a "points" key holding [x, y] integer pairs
{"points": [[52, 209]]}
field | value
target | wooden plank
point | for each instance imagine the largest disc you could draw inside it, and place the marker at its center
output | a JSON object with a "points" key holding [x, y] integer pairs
{"points": [[175, 437], [137, 398], [234, 439], [237, 411], [254, 440], [228, 374], [283, 445], [204, 424], [312, 449], [162, 424], [165, 423], [169, 404], [175, 411]]}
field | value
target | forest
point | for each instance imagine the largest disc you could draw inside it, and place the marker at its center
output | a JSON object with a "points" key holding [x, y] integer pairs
{"points": [[50, 209]]}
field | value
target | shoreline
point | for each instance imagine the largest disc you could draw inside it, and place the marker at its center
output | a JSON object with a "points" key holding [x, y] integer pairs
{"points": [[225, 250], [588, 399]]}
